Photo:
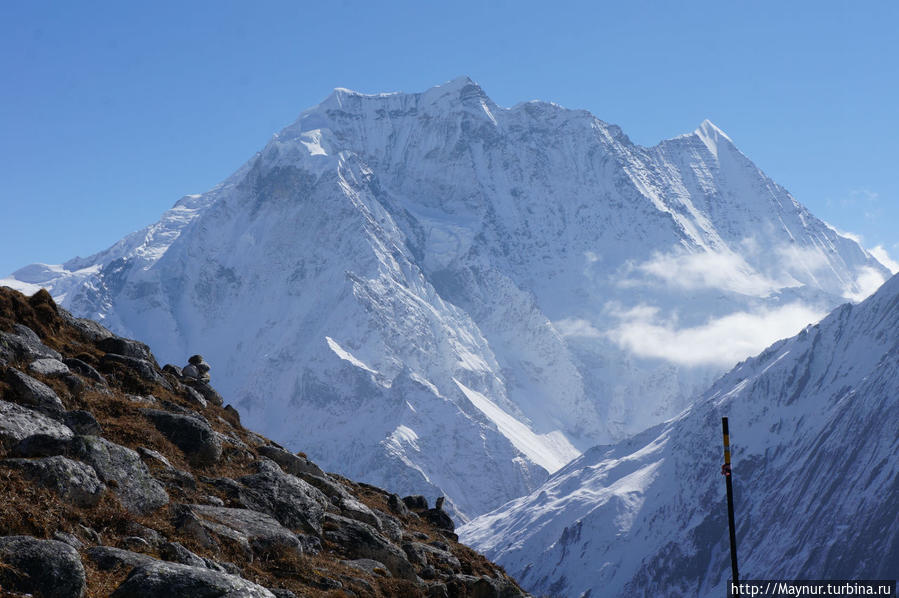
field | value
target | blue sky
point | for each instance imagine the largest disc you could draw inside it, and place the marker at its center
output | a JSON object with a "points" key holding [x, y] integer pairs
{"points": [[111, 111]]}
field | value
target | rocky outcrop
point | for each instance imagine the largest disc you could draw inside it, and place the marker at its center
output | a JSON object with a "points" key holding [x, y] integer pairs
{"points": [[172, 580], [48, 568], [141, 476], [122, 468], [74, 482]]}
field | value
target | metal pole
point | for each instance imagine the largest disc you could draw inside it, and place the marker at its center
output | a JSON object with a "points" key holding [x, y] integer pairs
{"points": [[725, 469]]}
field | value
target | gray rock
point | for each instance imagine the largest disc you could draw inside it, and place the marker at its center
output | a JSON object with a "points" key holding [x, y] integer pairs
{"points": [[74, 482], [107, 557], [390, 526], [397, 505], [438, 556], [172, 580], [47, 366], [82, 422], [173, 370], [135, 544], [152, 537], [25, 345], [154, 459], [31, 392], [190, 433], [18, 423], [193, 396], [290, 463], [370, 566], [415, 502], [49, 568], [42, 445], [127, 348], [135, 487], [290, 500], [90, 329], [262, 534], [141, 367], [85, 369], [209, 393], [176, 553], [352, 508], [69, 539], [361, 541], [280, 593]]}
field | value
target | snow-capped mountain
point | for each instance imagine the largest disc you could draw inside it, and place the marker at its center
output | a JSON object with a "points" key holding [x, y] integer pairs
{"points": [[436, 294], [815, 461]]}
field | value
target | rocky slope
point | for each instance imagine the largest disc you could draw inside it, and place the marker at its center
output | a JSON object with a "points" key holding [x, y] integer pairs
{"points": [[120, 478], [816, 479], [479, 285]]}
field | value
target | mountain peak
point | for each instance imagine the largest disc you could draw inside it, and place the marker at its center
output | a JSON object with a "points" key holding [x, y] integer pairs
{"points": [[711, 135]]}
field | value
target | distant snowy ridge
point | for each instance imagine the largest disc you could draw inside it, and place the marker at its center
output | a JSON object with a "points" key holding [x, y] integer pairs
{"points": [[816, 479], [439, 295]]}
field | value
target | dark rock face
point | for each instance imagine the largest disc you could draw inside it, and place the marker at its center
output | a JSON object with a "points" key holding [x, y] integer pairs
{"points": [[85, 369], [135, 487], [41, 445], [438, 518], [171, 580], [31, 392], [191, 434], [361, 541], [74, 482], [83, 423], [107, 557], [208, 393], [290, 500], [292, 464], [46, 567], [127, 348], [142, 368], [18, 423], [415, 502]]}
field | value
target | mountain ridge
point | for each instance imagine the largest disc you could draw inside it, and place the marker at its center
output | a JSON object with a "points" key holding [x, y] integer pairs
{"points": [[397, 246]]}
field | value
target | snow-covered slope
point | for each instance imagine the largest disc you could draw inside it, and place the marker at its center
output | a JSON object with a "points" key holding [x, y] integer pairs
{"points": [[416, 287], [813, 423]]}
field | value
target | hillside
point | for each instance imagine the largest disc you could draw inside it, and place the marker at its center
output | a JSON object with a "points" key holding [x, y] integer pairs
{"points": [[122, 478]]}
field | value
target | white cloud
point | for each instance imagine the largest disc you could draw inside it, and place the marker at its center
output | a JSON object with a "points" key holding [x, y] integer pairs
{"points": [[576, 328], [881, 255], [690, 271], [867, 281], [722, 342]]}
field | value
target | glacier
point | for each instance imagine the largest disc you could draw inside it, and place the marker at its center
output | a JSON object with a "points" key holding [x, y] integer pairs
{"points": [[440, 295]]}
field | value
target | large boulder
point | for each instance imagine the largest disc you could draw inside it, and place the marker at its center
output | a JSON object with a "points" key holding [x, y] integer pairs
{"points": [[33, 393], [127, 347], [47, 366], [142, 368], [292, 464], [24, 344], [74, 482], [107, 557], [358, 540], [135, 488], [18, 423], [190, 433], [255, 532], [84, 368], [47, 568], [171, 580], [290, 500]]}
